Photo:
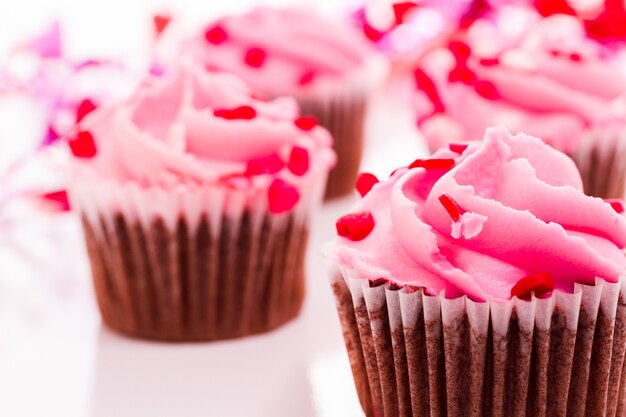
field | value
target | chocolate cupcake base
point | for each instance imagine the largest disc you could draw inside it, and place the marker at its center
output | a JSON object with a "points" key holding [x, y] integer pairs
{"points": [[601, 159], [196, 283], [418, 355], [344, 117]]}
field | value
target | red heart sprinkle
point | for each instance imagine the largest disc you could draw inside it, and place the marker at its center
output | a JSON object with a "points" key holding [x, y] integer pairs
{"points": [[426, 84], [298, 161], [609, 24], [487, 90], [401, 9], [452, 207], [267, 165], [59, 198], [238, 113], [618, 205], [84, 108], [282, 197], [356, 226], [489, 62], [364, 183], [306, 123], [216, 35], [458, 147], [429, 164], [462, 74], [160, 22], [550, 7], [541, 283], [255, 57], [307, 78], [575, 57], [460, 50], [83, 145]]}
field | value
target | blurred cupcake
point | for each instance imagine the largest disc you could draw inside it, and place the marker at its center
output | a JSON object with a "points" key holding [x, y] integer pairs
{"points": [[542, 76], [195, 200], [484, 282], [329, 67]]}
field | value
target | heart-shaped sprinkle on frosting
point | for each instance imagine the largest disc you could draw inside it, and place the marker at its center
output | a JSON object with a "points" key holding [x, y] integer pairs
{"points": [[618, 205], [356, 226], [458, 147], [364, 183], [282, 196], [83, 145], [255, 57], [306, 123], [216, 35], [267, 165], [429, 164], [84, 108]]}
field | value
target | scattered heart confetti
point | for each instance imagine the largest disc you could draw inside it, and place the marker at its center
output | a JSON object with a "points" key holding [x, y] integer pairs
{"points": [[356, 226], [298, 161], [540, 283], [83, 145], [364, 183], [282, 196], [306, 123]]}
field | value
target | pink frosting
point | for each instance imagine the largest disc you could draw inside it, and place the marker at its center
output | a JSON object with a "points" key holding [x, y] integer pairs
{"points": [[525, 213], [297, 43], [551, 80], [167, 134]]}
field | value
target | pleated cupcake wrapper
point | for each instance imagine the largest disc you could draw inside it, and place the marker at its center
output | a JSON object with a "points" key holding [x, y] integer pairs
{"points": [[601, 159], [414, 354], [342, 109], [191, 264]]}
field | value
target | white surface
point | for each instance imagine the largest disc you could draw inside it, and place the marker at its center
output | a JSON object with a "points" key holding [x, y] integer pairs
{"points": [[56, 360]]}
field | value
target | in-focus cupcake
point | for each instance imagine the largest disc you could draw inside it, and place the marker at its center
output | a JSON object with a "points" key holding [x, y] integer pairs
{"points": [[543, 76], [328, 66], [484, 282], [195, 200]]}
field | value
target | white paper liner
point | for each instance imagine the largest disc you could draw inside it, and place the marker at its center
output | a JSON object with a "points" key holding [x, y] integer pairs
{"points": [[601, 160], [422, 355], [194, 263]]}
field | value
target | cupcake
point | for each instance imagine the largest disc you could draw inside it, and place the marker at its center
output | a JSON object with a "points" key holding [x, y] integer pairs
{"points": [[543, 76], [484, 282], [329, 67], [195, 200]]}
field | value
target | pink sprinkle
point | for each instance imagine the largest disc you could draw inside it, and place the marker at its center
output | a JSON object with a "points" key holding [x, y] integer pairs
{"points": [[307, 78]]}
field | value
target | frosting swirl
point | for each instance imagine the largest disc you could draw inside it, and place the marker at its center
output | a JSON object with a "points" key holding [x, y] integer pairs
{"points": [[277, 51], [520, 210], [547, 79], [197, 128]]}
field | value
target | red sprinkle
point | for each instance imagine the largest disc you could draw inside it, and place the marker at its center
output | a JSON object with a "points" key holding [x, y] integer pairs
{"points": [[462, 74], [306, 123], [618, 205], [238, 113], [575, 57], [458, 147], [84, 108], [267, 165], [160, 22], [426, 84], [83, 145], [307, 78], [609, 24], [452, 207], [356, 226], [298, 161], [487, 90], [540, 283], [550, 7], [489, 62], [216, 35], [59, 198], [372, 33], [255, 57], [282, 196], [429, 164], [401, 9], [460, 50], [364, 183]]}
